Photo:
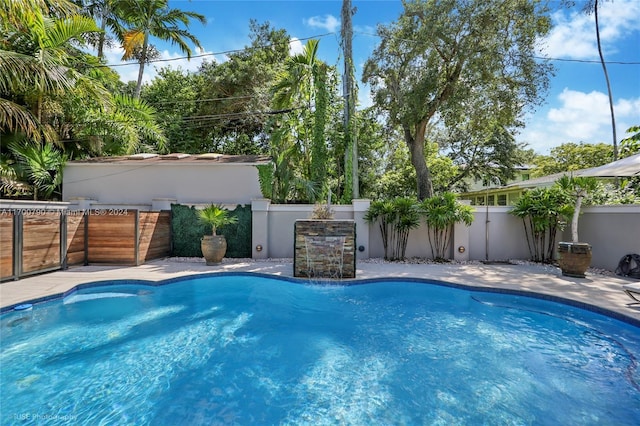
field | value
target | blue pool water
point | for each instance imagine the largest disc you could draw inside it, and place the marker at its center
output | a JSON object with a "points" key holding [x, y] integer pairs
{"points": [[245, 349]]}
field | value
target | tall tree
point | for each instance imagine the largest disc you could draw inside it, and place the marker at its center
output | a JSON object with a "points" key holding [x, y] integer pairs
{"points": [[442, 60], [153, 18], [303, 90], [174, 95], [571, 156], [234, 97], [105, 14], [37, 59], [351, 187], [592, 7]]}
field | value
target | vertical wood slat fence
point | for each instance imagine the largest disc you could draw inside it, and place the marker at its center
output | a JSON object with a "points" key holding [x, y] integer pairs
{"points": [[45, 241]]}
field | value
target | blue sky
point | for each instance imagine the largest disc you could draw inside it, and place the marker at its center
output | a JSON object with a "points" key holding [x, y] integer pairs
{"points": [[576, 108]]}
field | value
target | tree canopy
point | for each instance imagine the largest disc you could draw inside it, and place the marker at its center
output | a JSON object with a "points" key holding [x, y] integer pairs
{"points": [[572, 156], [458, 64]]}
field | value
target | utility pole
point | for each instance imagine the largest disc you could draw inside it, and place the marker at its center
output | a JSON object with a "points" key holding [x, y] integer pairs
{"points": [[351, 189]]}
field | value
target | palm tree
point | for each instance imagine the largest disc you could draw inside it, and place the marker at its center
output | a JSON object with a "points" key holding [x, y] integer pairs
{"points": [[216, 216], [143, 19], [303, 86], [126, 125], [35, 61], [104, 13], [592, 7], [39, 169]]}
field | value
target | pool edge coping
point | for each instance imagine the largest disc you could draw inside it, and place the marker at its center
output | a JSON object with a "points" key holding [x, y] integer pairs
{"points": [[329, 282]]}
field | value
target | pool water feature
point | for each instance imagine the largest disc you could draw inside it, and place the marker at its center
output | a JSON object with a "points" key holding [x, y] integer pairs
{"points": [[241, 349]]}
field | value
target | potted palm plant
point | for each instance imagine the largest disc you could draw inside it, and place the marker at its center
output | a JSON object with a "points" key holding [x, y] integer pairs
{"points": [[214, 246], [575, 256]]}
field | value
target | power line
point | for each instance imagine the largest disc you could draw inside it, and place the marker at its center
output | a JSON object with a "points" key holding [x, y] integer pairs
{"points": [[203, 100], [545, 58], [225, 52]]}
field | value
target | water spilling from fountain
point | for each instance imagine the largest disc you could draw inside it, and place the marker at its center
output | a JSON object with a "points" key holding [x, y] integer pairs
{"points": [[324, 249], [324, 256]]}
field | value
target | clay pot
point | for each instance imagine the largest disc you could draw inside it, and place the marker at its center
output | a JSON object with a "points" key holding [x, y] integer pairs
{"points": [[574, 258], [213, 248]]}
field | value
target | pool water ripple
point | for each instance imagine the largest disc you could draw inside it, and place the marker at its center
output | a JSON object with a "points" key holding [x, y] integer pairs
{"points": [[253, 350]]}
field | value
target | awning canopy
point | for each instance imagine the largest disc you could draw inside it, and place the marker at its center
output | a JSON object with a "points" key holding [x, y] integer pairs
{"points": [[626, 167]]}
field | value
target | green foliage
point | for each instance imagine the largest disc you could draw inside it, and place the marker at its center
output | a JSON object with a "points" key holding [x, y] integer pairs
{"points": [[396, 219], [152, 18], [542, 211], [216, 216], [238, 234], [187, 231], [631, 144], [265, 178], [173, 94], [576, 188], [483, 148], [238, 94], [440, 213], [298, 136], [432, 67], [318, 167], [571, 156], [398, 177], [37, 170], [37, 58]]}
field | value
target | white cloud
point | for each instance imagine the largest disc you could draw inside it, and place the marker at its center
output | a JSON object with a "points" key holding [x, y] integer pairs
{"points": [[295, 46], [326, 22], [581, 117], [574, 37]]}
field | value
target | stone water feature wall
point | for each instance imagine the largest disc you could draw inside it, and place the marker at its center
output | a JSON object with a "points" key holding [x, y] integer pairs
{"points": [[325, 249]]}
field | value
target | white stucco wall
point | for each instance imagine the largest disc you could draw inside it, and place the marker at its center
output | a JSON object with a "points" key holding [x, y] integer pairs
{"points": [[193, 182], [612, 231]]}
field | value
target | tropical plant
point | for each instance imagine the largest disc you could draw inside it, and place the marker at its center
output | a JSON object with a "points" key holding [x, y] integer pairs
{"points": [[125, 126], [301, 93], [235, 95], [216, 216], [577, 188], [153, 18], [104, 13], [589, 7], [572, 156], [441, 212], [37, 171], [396, 218], [542, 211], [37, 60]]}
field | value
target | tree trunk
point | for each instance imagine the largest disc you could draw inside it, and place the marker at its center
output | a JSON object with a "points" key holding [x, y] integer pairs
{"points": [[143, 60], [606, 77], [574, 219], [416, 149], [102, 36], [351, 145]]}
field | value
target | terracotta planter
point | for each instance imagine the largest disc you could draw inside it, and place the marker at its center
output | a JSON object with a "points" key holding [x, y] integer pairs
{"points": [[213, 248], [574, 259]]}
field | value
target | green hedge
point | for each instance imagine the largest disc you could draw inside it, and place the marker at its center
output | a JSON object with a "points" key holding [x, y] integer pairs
{"points": [[187, 231]]}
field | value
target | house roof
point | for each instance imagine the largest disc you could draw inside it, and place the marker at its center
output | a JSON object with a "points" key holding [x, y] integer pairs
{"points": [[177, 158]]}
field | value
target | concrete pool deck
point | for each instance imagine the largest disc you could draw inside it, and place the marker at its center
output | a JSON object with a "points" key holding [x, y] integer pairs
{"points": [[600, 291]]}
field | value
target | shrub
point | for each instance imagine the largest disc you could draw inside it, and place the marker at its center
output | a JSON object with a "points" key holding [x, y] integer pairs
{"points": [[441, 212]]}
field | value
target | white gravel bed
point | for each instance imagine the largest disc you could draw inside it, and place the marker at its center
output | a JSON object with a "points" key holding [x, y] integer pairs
{"points": [[409, 261]]}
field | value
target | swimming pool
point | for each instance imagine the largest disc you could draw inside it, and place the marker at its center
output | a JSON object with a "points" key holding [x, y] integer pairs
{"points": [[246, 349]]}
